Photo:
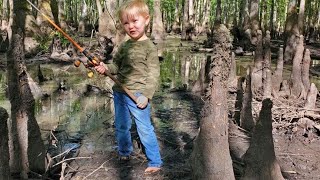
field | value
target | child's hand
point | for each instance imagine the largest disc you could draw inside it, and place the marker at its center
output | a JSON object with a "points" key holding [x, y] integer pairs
{"points": [[142, 101], [101, 68]]}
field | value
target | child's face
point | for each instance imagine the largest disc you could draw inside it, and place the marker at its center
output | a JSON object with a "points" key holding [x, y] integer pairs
{"points": [[134, 24]]}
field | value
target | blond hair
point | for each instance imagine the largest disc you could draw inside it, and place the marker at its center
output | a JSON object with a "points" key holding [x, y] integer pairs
{"points": [[133, 7]]}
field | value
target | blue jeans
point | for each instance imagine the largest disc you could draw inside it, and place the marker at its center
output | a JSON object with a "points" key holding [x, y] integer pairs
{"points": [[125, 110]]}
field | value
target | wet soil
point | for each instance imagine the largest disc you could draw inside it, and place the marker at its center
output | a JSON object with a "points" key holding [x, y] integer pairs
{"points": [[176, 116]]}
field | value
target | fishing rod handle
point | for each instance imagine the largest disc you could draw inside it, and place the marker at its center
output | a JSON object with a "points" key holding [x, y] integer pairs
{"points": [[126, 90], [95, 62]]}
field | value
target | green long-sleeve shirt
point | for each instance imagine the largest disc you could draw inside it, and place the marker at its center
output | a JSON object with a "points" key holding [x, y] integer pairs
{"points": [[136, 65]]}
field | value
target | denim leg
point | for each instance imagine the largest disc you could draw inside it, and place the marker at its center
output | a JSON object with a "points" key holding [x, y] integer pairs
{"points": [[123, 123], [146, 133]]}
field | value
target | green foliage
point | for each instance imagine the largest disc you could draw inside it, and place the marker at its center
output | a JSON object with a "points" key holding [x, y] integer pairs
{"points": [[64, 41], [170, 70], [168, 7], [44, 42]]}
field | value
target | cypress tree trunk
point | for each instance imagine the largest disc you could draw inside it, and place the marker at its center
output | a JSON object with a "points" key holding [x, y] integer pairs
{"points": [[4, 148], [305, 70], [297, 88], [246, 119], [211, 157], [157, 24], [260, 158], [277, 75], [27, 150]]}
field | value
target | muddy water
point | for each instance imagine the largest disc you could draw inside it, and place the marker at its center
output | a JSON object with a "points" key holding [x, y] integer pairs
{"points": [[81, 113]]}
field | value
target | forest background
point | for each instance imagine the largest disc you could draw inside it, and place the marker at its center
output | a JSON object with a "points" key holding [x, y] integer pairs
{"points": [[256, 27]]}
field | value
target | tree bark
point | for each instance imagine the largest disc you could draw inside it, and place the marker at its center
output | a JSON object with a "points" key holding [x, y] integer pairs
{"points": [[291, 31], [185, 20], [297, 88], [233, 74], [267, 67], [211, 157], [277, 76], [44, 6], [260, 159], [107, 24], [254, 21], [239, 100], [311, 99], [258, 66], [158, 32], [27, 152], [4, 148], [176, 24], [205, 21], [246, 119], [61, 16], [202, 82], [218, 13], [83, 18], [305, 70]]}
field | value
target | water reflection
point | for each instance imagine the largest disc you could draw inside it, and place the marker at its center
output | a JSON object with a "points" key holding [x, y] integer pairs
{"points": [[76, 112]]}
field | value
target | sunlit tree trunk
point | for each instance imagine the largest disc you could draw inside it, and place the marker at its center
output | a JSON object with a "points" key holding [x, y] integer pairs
{"points": [[244, 15], [27, 151], [271, 20], [254, 21], [301, 16], [211, 157], [185, 20], [4, 15], [112, 7], [44, 6], [158, 32], [305, 70], [218, 13], [107, 24], [61, 16], [206, 12], [176, 24], [291, 31], [191, 13], [297, 88], [314, 23], [83, 18]]}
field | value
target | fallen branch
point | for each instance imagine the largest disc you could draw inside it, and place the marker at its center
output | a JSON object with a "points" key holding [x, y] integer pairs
{"points": [[101, 166], [70, 159]]}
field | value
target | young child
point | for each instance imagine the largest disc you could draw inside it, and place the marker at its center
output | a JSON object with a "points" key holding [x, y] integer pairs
{"points": [[137, 67]]}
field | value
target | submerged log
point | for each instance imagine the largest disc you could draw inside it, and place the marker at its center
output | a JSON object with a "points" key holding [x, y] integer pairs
{"points": [[260, 159]]}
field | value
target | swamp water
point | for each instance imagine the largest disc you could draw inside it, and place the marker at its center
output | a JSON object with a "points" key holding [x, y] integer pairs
{"points": [[80, 109]]}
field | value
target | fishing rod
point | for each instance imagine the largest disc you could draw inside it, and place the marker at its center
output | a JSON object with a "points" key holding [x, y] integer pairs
{"points": [[93, 60]]}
